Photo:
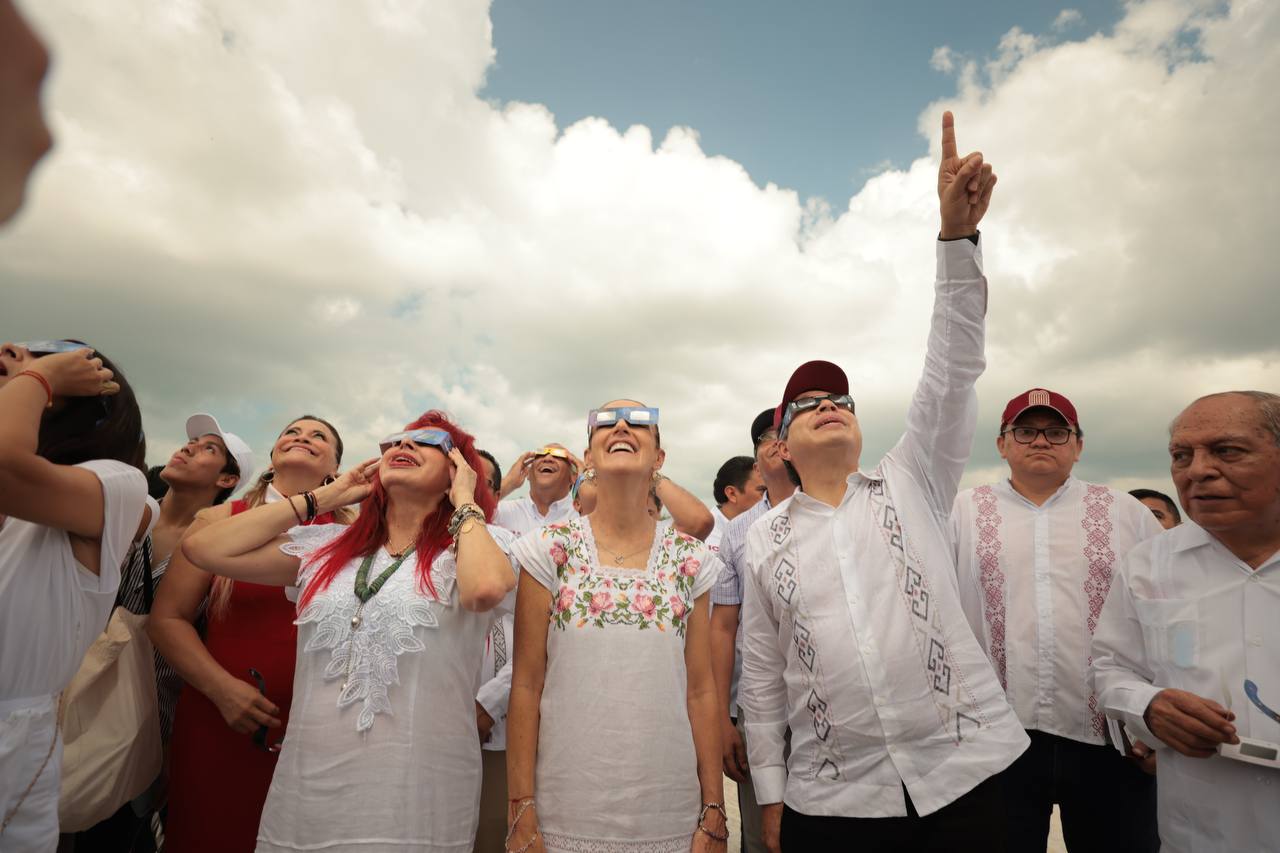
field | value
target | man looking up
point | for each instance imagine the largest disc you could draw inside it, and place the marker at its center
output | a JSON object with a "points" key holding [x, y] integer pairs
{"points": [[726, 626], [853, 634], [550, 472], [1186, 651], [737, 488], [1035, 555], [1161, 506]]}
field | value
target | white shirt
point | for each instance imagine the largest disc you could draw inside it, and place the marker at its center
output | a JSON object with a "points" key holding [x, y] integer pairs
{"points": [[520, 516], [1032, 583], [391, 762], [717, 531], [853, 631], [1185, 613], [51, 611]]}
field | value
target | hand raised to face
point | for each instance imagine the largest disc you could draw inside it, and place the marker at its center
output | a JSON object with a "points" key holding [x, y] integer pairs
{"points": [[965, 185]]}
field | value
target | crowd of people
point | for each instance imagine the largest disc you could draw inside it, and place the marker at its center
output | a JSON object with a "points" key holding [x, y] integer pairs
{"points": [[399, 654]]}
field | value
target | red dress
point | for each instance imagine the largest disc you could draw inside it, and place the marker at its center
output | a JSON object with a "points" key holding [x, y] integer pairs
{"points": [[218, 778]]}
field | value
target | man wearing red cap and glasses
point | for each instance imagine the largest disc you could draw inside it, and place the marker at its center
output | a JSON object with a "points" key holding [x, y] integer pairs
{"points": [[1034, 559], [854, 636]]}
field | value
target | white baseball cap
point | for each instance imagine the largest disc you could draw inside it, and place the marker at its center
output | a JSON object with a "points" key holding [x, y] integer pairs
{"points": [[202, 424]]}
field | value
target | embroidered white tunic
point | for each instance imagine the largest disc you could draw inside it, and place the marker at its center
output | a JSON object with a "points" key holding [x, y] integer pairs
{"points": [[853, 631], [392, 763], [520, 516], [616, 770], [1185, 613], [1032, 583]]}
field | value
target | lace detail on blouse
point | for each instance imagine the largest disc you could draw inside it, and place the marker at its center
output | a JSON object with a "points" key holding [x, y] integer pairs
{"points": [[570, 844]]}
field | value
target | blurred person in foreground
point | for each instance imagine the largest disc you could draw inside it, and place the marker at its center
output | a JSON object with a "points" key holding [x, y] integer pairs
{"points": [[853, 632], [1035, 555], [72, 500], [1187, 652], [726, 624], [24, 136]]}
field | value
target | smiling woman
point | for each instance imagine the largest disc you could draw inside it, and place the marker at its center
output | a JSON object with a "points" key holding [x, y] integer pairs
{"points": [[384, 699], [246, 626]]}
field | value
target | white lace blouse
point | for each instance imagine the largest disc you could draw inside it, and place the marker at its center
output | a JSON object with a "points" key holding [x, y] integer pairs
{"points": [[391, 762], [616, 770]]}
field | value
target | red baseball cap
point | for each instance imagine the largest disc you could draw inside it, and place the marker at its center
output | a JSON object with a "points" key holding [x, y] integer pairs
{"points": [[812, 376], [1040, 398]]}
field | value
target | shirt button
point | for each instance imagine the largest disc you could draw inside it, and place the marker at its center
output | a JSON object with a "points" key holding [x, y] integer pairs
{"points": [[1256, 641], [1254, 577], [880, 704]]}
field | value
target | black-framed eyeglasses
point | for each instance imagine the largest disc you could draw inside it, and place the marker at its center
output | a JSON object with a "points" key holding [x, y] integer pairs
{"points": [[260, 736], [769, 436], [1027, 434], [807, 404]]}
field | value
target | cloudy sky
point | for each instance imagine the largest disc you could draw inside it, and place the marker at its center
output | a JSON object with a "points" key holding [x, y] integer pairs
{"points": [[515, 212]]}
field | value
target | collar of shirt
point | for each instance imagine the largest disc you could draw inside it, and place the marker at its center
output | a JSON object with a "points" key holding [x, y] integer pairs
{"points": [[1190, 535], [1006, 487]]}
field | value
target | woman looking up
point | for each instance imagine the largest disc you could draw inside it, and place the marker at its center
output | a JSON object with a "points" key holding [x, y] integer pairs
{"points": [[382, 753], [72, 498], [618, 601], [220, 751]]}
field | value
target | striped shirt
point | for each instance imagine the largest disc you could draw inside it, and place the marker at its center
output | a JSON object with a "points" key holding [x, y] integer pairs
{"points": [[132, 597], [728, 587]]}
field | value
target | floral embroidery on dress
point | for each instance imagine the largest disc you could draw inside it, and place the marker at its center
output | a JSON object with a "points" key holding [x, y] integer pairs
{"points": [[659, 596], [386, 631]]}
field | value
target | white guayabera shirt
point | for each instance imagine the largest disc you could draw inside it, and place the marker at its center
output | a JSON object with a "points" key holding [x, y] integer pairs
{"points": [[853, 631], [1032, 582], [1184, 612], [520, 516]]}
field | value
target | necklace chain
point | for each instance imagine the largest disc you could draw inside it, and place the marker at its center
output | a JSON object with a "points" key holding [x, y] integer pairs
{"points": [[619, 559], [365, 591]]}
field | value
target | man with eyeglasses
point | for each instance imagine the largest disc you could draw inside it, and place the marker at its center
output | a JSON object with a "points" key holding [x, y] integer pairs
{"points": [[1035, 556], [550, 472], [853, 633], [726, 626]]}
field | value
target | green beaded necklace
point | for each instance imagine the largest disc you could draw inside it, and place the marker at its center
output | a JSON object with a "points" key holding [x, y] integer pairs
{"points": [[366, 590]]}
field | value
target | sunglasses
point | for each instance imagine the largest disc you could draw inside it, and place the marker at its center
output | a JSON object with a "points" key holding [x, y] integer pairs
{"points": [[421, 437], [39, 348], [260, 736], [634, 415], [808, 404]]}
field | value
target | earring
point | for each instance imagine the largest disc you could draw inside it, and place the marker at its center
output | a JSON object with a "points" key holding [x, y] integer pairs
{"points": [[268, 475], [328, 478]]}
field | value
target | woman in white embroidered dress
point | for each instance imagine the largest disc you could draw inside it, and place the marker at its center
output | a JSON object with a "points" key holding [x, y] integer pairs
{"points": [[381, 751], [612, 738]]}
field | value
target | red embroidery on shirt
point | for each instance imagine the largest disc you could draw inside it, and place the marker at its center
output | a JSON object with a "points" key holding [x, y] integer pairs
{"points": [[987, 549], [1101, 560]]}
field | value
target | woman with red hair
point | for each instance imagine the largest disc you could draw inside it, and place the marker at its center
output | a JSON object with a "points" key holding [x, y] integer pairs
{"points": [[381, 751]]}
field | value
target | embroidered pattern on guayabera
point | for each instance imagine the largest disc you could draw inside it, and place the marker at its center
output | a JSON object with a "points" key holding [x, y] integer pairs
{"points": [[987, 549], [1101, 558], [386, 631], [950, 691], [499, 639], [554, 841]]}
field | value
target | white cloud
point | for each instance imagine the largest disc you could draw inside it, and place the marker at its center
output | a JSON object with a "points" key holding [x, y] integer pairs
{"points": [[263, 211], [1067, 18]]}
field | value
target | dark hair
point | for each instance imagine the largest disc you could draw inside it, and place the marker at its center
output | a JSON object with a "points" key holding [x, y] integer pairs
{"points": [[496, 482], [156, 486], [1168, 501], [231, 467], [87, 428], [792, 474], [735, 472]]}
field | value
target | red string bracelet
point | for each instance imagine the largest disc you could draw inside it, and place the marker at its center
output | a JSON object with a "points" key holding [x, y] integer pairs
{"points": [[48, 389]]}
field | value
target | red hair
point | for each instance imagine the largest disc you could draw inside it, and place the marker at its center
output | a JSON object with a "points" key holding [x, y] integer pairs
{"points": [[368, 532]]}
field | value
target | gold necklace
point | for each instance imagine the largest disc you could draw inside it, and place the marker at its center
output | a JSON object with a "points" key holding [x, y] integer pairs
{"points": [[619, 559]]}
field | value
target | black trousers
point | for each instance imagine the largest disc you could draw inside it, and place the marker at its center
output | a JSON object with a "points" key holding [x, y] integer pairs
{"points": [[971, 823], [1107, 802]]}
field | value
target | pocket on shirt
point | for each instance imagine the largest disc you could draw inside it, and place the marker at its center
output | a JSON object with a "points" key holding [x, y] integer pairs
{"points": [[1171, 628]]}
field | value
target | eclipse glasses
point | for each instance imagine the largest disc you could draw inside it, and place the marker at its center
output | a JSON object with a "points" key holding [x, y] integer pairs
{"points": [[808, 404], [52, 347], [422, 437], [633, 415]]}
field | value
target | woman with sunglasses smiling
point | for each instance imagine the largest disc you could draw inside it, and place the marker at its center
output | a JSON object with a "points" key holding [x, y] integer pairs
{"points": [[382, 753], [217, 753], [612, 738], [72, 499]]}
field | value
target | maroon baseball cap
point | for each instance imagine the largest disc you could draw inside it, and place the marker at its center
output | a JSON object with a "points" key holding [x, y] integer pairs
{"points": [[1040, 398], [811, 376]]}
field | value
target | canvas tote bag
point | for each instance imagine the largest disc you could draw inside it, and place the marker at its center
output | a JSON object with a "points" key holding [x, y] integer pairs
{"points": [[111, 723]]}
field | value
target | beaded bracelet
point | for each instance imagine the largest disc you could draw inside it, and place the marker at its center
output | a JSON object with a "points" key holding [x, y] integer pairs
{"points": [[310, 498], [48, 389], [702, 815]]}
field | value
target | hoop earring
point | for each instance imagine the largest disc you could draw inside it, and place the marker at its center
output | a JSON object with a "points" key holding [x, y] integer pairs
{"points": [[268, 475], [328, 478]]}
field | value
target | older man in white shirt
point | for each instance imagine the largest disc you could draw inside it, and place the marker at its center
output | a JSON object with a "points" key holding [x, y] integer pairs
{"points": [[1035, 555], [1187, 652], [853, 631]]}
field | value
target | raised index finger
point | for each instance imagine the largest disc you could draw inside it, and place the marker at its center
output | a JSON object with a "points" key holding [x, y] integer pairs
{"points": [[948, 136]]}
